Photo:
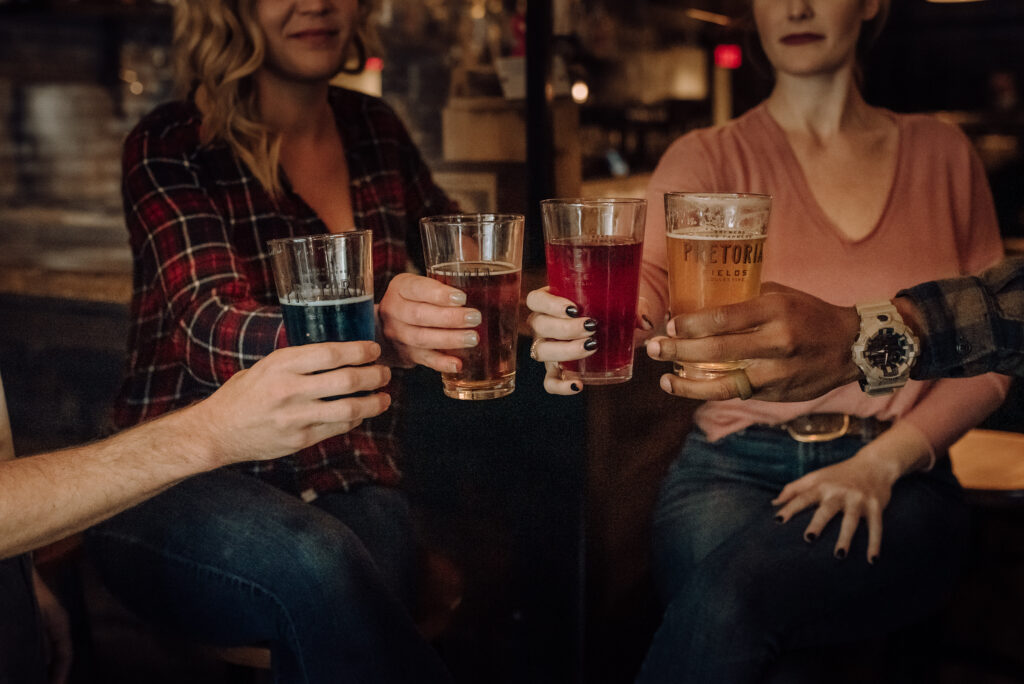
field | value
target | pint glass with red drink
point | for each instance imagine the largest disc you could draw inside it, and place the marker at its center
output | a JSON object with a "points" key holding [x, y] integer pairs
{"points": [[482, 255], [593, 249]]}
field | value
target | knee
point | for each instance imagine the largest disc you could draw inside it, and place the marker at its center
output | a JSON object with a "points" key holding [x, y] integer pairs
{"points": [[712, 631], [322, 566], [720, 607]]}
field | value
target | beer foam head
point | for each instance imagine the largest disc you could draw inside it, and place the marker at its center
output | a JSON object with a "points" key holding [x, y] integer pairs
{"points": [[720, 214]]}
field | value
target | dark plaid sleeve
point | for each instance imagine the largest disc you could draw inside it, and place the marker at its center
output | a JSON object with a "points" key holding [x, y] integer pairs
{"points": [[186, 263], [973, 324]]}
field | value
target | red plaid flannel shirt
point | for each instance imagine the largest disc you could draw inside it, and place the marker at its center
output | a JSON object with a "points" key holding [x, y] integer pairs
{"points": [[204, 304]]}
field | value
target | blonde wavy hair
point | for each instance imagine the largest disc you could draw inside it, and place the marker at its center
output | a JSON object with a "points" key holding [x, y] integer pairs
{"points": [[218, 47]]}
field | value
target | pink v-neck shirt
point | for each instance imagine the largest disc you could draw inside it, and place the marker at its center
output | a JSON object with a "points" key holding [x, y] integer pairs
{"points": [[939, 221]]}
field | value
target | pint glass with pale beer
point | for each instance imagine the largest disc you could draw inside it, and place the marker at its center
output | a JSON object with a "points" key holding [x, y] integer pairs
{"points": [[715, 254]]}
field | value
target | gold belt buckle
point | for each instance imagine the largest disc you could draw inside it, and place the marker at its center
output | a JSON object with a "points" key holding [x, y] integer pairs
{"points": [[811, 428]]}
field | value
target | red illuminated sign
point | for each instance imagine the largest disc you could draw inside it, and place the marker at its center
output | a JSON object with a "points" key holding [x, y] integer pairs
{"points": [[728, 56]]}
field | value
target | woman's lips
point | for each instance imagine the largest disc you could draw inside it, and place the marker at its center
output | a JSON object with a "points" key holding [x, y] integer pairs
{"points": [[801, 38], [315, 35]]}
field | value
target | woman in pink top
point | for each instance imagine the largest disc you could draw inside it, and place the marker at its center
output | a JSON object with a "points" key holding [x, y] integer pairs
{"points": [[758, 546]]}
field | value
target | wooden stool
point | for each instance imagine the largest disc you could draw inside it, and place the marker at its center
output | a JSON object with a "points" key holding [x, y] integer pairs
{"points": [[247, 664], [990, 466], [983, 628], [254, 657]]}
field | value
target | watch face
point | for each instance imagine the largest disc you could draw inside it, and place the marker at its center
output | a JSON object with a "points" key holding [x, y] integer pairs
{"points": [[887, 351]]}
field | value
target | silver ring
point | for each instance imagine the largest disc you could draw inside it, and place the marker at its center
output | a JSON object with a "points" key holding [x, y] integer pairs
{"points": [[743, 387], [533, 349]]}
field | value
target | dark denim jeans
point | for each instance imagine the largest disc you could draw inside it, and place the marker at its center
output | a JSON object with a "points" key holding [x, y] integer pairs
{"points": [[22, 649], [740, 589], [226, 559]]}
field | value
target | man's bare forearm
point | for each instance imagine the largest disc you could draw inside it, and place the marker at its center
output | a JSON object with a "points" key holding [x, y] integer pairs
{"points": [[50, 496], [267, 411]]}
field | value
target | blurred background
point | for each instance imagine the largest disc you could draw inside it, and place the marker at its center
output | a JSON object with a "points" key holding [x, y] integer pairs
{"points": [[540, 503]]}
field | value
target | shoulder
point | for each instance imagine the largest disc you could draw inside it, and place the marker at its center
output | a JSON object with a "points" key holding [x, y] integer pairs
{"points": [[717, 155], [928, 136], [170, 130], [172, 122], [714, 141]]}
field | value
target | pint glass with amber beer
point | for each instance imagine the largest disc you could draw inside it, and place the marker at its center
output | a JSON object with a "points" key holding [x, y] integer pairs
{"points": [[482, 255], [715, 253]]}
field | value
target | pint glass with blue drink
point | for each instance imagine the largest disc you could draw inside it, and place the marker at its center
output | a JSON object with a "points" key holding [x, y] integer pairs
{"points": [[325, 286]]}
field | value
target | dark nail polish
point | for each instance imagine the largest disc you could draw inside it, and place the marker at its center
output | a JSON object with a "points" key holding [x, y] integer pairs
{"points": [[840, 554], [571, 311], [779, 519], [590, 344], [809, 537], [574, 387], [873, 559], [590, 325]]}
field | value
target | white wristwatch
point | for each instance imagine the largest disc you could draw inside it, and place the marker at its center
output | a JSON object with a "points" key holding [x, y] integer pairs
{"points": [[885, 350]]}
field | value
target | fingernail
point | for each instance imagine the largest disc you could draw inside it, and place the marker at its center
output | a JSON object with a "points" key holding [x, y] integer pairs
{"points": [[457, 298], [590, 344], [470, 339], [590, 325], [671, 328], [453, 367], [809, 537], [574, 387], [665, 384], [840, 554], [474, 318], [654, 348], [873, 559], [571, 311], [779, 519], [647, 322]]}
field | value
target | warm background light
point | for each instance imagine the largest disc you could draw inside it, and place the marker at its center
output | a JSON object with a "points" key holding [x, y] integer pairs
{"points": [[580, 92]]}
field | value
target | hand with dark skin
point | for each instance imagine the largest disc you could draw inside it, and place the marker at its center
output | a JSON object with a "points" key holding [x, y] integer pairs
{"points": [[798, 346]]}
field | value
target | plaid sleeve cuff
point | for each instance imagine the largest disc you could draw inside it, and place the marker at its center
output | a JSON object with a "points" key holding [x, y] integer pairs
{"points": [[972, 324]]}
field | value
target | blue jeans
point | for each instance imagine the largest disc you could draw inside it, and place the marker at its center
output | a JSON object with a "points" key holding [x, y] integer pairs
{"points": [[226, 559], [739, 588]]}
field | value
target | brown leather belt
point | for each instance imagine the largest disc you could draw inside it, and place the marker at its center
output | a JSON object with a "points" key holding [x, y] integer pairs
{"points": [[825, 427]]}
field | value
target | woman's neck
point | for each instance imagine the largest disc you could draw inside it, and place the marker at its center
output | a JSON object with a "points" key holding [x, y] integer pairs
{"points": [[821, 106], [295, 110]]}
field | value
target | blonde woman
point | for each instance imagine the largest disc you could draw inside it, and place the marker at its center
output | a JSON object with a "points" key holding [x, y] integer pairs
{"points": [[312, 554], [787, 526]]}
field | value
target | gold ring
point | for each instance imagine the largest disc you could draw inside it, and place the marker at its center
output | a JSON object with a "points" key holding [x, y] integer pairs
{"points": [[743, 388], [533, 349]]}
